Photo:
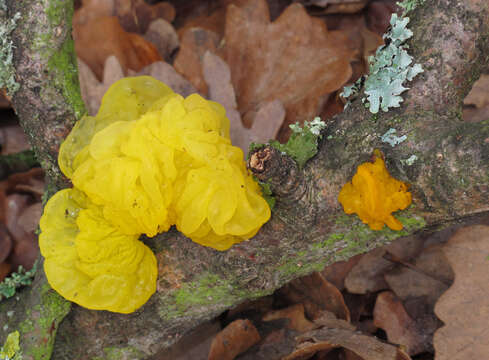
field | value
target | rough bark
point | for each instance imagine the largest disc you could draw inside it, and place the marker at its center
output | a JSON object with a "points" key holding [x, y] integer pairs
{"points": [[308, 229]]}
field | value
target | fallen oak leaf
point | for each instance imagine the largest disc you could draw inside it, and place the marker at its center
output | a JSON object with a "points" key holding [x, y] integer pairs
{"points": [[295, 315], [166, 73], [317, 295], [163, 36], [91, 89], [234, 339], [99, 38], [5, 243], [391, 316], [194, 43], [4, 270], [134, 15], [294, 59], [464, 307], [428, 276], [268, 119], [327, 338]]}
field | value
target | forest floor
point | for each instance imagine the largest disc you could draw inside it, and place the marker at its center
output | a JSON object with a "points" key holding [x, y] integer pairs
{"points": [[414, 293]]}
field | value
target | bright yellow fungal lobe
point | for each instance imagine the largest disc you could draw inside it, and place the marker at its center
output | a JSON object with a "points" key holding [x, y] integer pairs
{"points": [[373, 195], [150, 159], [88, 261]]}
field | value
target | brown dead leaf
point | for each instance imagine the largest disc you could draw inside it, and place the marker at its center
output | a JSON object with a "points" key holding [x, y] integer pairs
{"points": [[336, 273], [367, 347], [25, 252], [464, 308], [99, 38], [317, 295], [4, 270], [136, 15], [428, 277], [479, 94], [329, 320], [92, 9], [338, 7], [294, 59], [234, 339], [31, 182], [295, 315], [163, 36], [194, 43], [4, 100], [368, 274], [167, 74], [5, 243], [91, 89], [275, 345], [391, 316], [213, 20], [29, 219], [22, 208], [360, 40], [473, 114], [268, 118], [192, 346], [13, 139], [133, 15], [477, 101], [378, 15], [15, 205]]}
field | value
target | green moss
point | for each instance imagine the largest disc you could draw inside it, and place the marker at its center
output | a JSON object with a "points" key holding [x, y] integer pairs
{"points": [[303, 143], [300, 265], [267, 194], [360, 238], [56, 12], [207, 290], [125, 353], [61, 61], [63, 64], [42, 322]]}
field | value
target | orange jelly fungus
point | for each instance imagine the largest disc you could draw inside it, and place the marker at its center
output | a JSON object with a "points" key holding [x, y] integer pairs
{"points": [[374, 195]]}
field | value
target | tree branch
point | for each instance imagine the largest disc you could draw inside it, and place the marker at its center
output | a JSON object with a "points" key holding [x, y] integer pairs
{"points": [[308, 229]]}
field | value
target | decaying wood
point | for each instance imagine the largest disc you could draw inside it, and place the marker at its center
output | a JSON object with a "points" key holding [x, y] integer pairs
{"points": [[308, 229]]}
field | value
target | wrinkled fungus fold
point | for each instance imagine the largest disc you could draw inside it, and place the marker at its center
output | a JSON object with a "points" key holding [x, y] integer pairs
{"points": [[148, 160], [374, 195]]}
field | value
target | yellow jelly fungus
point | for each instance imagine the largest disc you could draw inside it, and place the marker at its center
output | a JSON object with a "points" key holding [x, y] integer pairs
{"points": [[88, 261], [373, 195], [148, 160]]}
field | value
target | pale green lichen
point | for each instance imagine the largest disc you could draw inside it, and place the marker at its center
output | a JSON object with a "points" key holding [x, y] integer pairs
{"points": [[390, 137], [389, 69], [409, 161], [11, 349], [7, 69], [17, 279], [409, 5]]}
